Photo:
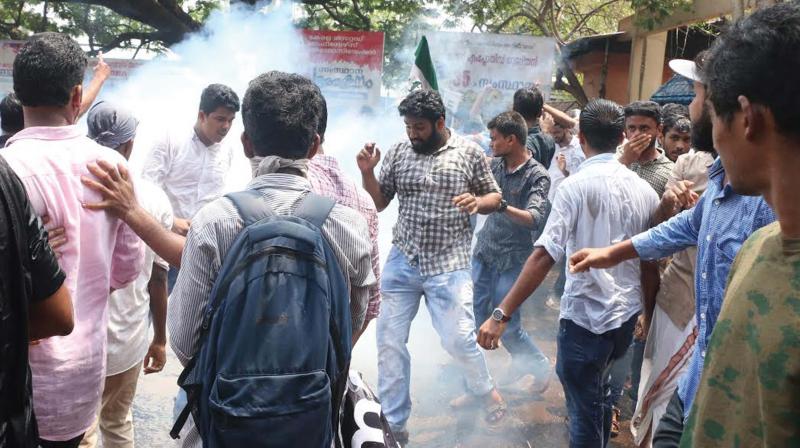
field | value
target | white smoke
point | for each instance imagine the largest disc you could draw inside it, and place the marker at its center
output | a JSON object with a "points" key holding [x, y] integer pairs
{"points": [[234, 47]]}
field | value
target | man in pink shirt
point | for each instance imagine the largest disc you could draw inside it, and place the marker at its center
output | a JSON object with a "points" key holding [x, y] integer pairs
{"points": [[101, 254], [328, 179]]}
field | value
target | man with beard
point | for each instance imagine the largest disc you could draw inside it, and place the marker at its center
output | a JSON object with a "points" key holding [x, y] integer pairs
{"points": [[441, 179], [191, 166], [639, 153], [718, 223]]}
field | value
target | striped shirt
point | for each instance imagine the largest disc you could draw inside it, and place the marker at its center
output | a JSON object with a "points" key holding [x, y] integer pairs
{"points": [[655, 172], [328, 179], [214, 229]]}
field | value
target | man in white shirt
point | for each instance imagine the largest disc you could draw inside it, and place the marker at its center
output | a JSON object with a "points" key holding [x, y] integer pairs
{"points": [[566, 160], [131, 309], [602, 202], [191, 166]]}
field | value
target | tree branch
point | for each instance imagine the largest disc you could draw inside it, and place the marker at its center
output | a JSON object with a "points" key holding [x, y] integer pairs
{"points": [[337, 17], [365, 19], [123, 37], [588, 16]]}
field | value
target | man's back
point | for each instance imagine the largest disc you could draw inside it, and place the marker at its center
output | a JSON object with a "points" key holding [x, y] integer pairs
{"points": [[329, 180], [602, 204], [100, 253]]}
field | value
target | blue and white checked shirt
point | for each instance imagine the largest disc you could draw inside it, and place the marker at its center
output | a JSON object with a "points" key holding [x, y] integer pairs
{"points": [[718, 225]]}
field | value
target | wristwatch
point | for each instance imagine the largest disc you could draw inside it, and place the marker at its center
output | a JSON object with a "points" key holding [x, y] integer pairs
{"points": [[503, 206], [500, 316]]}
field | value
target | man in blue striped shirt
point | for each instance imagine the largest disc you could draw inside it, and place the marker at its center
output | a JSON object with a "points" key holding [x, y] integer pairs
{"points": [[718, 225]]}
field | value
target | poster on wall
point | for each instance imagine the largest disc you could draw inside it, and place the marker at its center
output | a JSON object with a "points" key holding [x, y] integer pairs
{"points": [[478, 73], [120, 68], [347, 66]]}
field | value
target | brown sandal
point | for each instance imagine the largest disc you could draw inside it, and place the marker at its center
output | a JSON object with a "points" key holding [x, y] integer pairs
{"points": [[495, 413]]}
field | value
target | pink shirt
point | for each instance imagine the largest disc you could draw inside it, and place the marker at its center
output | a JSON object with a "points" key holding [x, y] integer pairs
{"points": [[328, 180], [100, 253]]}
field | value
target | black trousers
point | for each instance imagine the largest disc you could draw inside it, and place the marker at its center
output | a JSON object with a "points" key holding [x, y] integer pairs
{"points": [[670, 428], [72, 443]]}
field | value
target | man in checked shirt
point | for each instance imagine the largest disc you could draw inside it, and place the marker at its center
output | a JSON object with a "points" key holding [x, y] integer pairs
{"points": [[440, 179]]}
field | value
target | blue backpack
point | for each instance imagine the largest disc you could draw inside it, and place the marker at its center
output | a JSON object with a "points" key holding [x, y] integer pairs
{"points": [[275, 347]]}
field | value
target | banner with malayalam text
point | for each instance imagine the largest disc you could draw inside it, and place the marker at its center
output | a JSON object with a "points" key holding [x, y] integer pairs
{"points": [[478, 73], [347, 66]]}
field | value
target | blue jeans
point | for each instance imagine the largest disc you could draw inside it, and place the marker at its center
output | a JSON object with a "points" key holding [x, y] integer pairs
{"points": [[491, 287], [448, 297], [583, 368]]}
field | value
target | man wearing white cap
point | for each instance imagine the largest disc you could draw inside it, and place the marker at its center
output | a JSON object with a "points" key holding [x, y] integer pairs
{"points": [[718, 223]]}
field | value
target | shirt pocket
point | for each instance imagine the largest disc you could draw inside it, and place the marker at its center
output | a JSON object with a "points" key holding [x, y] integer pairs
{"points": [[448, 176]]}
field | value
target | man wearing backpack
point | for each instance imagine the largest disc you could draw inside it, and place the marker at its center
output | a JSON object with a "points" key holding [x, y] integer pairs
{"points": [[280, 123]]}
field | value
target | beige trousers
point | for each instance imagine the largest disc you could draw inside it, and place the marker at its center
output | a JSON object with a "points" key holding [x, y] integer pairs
{"points": [[114, 416]]}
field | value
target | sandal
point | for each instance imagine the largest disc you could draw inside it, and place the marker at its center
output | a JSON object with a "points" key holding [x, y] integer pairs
{"points": [[495, 413], [464, 401]]}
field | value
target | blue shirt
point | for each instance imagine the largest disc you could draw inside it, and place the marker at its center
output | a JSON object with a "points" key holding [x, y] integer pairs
{"points": [[718, 225]]}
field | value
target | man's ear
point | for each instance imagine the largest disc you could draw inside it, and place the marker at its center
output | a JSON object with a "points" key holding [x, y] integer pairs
{"points": [[754, 118], [201, 116], [440, 124], [75, 101], [314, 147], [249, 152]]}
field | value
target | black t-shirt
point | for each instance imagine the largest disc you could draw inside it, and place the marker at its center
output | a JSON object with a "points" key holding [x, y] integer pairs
{"points": [[29, 273]]}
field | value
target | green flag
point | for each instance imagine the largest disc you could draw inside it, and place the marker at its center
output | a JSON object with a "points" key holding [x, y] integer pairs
{"points": [[423, 71]]}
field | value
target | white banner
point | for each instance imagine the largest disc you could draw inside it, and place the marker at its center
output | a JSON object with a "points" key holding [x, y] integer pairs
{"points": [[489, 68]]}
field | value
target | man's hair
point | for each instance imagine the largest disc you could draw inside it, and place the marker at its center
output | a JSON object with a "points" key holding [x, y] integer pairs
{"points": [[11, 118], [759, 58], [322, 105], [602, 123], [510, 123], [649, 109], [218, 95], [674, 109], [276, 116], [529, 103], [47, 68], [678, 122], [423, 103]]}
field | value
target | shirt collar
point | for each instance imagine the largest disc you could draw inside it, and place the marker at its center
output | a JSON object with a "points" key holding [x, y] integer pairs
{"points": [[196, 138], [521, 167], [598, 159], [534, 129], [325, 161], [48, 133], [280, 181]]}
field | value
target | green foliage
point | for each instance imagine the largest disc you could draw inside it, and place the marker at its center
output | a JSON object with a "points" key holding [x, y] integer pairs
{"points": [[564, 21], [653, 12], [100, 27]]}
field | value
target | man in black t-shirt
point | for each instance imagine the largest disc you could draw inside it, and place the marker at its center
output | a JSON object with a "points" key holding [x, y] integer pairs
{"points": [[34, 304]]}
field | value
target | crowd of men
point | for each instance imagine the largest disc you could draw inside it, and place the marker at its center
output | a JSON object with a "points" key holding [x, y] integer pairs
{"points": [[674, 233]]}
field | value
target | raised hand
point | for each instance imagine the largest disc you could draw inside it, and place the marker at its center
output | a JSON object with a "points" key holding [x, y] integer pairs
{"points": [[368, 158]]}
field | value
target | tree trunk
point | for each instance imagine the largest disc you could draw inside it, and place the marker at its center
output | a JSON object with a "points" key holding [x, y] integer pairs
{"points": [[573, 85]]}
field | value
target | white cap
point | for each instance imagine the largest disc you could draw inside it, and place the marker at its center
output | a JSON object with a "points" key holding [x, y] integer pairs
{"points": [[685, 68]]}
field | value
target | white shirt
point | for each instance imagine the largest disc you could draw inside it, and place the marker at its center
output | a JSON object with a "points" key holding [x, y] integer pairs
{"points": [[574, 156], [190, 173], [129, 308], [602, 204]]}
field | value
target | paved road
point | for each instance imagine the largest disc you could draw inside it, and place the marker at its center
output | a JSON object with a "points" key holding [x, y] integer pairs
{"points": [[534, 422]]}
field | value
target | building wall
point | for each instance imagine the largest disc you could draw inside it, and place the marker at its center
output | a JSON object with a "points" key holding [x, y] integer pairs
{"points": [[590, 65]]}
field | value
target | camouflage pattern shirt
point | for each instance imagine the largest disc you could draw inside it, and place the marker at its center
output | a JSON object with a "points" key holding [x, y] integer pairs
{"points": [[750, 387]]}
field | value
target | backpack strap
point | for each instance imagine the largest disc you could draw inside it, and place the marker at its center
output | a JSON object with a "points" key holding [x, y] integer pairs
{"points": [[251, 206], [315, 208]]}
